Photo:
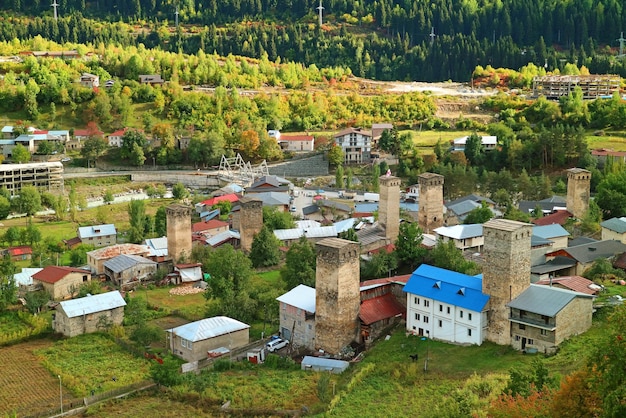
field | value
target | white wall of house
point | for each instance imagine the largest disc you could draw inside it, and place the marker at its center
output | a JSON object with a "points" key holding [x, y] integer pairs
{"points": [[356, 147]]}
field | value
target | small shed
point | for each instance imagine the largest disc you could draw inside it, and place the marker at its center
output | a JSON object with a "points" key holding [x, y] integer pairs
{"points": [[320, 364]]}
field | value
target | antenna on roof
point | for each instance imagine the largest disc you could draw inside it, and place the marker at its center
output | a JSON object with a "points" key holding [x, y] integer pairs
{"points": [[320, 8], [55, 5]]}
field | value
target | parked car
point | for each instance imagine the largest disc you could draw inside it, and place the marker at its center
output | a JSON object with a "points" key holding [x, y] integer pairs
{"points": [[65, 160], [276, 344]]}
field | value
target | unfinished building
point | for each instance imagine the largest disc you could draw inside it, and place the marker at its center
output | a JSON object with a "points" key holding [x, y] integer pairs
{"points": [[44, 176], [592, 86]]}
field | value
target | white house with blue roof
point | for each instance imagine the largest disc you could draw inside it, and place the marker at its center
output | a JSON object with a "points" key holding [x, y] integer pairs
{"points": [[446, 305]]}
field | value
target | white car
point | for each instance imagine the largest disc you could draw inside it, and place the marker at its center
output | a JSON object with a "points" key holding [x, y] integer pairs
{"points": [[276, 344]]}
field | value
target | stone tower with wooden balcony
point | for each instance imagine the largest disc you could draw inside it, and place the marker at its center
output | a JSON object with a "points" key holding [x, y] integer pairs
{"points": [[578, 190], [178, 231], [389, 206], [337, 299], [250, 221], [506, 272], [430, 212]]}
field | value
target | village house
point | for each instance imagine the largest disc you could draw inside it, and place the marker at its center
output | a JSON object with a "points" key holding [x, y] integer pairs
{"points": [[574, 283], [297, 316], [269, 184], [96, 258], [129, 269], [188, 273], [465, 237], [446, 305], [92, 313], [151, 79], [356, 144], [555, 233], [157, 248], [61, 282], [24, 280], [115, 138], [297, 143], [209, 228], [488, 143], [377, 131], [80, 136], [584, 255], [89, 80], [382, 306], [98, 235], [542, 317], [615, 229], [208, 337], [18, 253]]}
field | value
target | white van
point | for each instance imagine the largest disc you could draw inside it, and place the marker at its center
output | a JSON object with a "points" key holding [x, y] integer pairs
{"points": [[276, 344]]}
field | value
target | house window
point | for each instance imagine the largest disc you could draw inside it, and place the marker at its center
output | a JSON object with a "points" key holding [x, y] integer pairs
{"points": [[440, 307], [469, 332], [440, 323], [427, 303], [544, 332], [469, 316], [545, 318], [460, 314], [448, 309], [417, 317], [517, 338], [425, 319], [522, 326], [310, 326], [531, 341], [84, 278], [416, 301]]}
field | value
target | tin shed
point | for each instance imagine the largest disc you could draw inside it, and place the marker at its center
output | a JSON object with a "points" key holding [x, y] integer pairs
{"points": [[320, 364]]}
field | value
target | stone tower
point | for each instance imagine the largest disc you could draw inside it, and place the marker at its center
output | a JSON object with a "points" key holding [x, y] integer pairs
{"points": [[430, 212], [506, 272], [337, 299], [250, 220], [389, 206], [578, 189], [178, 231]]}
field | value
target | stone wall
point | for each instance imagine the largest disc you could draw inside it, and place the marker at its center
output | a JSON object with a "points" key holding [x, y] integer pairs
{"points": [[389, 206], [295, 327], [84, 324], [250, 220], [506, 272], [316, 165], [337, 300], [178, 231], [578, 190], [430, 212], [574, 319]]}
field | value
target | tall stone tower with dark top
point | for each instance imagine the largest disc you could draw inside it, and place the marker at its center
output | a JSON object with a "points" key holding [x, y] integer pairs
{"points": [[250, 220], [337, 294], [578, 190], [506, 272], [178, 231], [389, 206], [430, 212]]}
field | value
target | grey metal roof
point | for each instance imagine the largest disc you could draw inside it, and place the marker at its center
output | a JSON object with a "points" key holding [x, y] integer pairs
{"points": [[223, 236], [615, 224], [473, 198], [544, 300], [208, 328], [92, 304], [463, 208], [460, 231], [556, 264], [25, 278], [321, 232], [550, 231], [307, 210], [547, 205], [125, 261], [273, 198], [301, 296], [336, 205], [587, 253], [580, 241], [536, 241], [96, 231], [157, 246], [288, 234], [370, 235]]}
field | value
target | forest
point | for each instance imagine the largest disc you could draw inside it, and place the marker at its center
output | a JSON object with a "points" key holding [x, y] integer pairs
{"points": [[382, 39]]}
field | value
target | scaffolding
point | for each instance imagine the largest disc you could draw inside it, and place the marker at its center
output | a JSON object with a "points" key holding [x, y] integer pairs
{"points": [[242, 172], [592, 86]]}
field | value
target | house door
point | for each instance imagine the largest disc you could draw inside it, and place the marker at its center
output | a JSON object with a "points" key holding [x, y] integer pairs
{"points": [[285, 333], [420, 332], [523, 343]]}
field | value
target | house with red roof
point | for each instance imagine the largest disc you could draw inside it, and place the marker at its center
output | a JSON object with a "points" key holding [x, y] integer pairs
{"points": [[61, 282], [21, 252], [208, 204], [576, 283], [297, 143], [209, 228]]}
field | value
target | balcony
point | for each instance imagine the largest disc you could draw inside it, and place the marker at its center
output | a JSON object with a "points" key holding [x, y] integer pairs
{"points": [[550, 326]]}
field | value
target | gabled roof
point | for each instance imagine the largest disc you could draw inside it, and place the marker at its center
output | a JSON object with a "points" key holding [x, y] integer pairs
{"points": [[308, 210], [550, 204], [580, 241], [559, 217], [183, 266], [118, 249], [556, 264], [208, 328], [308, 223], [615, 224], [447, 286], [25, 277], [157, 246], [550, 231], [349, 131], [208, 225], [471, 197], [296, 138], [336, 205], [382, 307], [232, 198], [463, 208], [94, 231], [301, 297], [52, 274], [223, 237], [266, 181], [544, 300], [125, 261], [587, 253], [370, 284], [575, 283], [370, 235], [272, 198], [19, 250], [93, 304], [460, 231]]}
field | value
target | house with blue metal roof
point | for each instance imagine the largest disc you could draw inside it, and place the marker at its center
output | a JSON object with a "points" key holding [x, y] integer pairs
{"points": [[554, 232], [614, 228], [542, 317], [89, 314], [98, 235], [446, 305]]}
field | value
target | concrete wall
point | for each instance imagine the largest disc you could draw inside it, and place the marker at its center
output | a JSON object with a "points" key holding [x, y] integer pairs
{"points": [[574, 319], [337, 300], [316, 165], [84, 324], [609, 234], [300, 330], [195, 180], [199, 349], [60, 289]]}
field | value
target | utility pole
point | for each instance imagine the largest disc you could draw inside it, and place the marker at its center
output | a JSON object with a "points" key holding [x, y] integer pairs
{"points": [[176, 13], [320, 8], [432, 35], [55, 5]]}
